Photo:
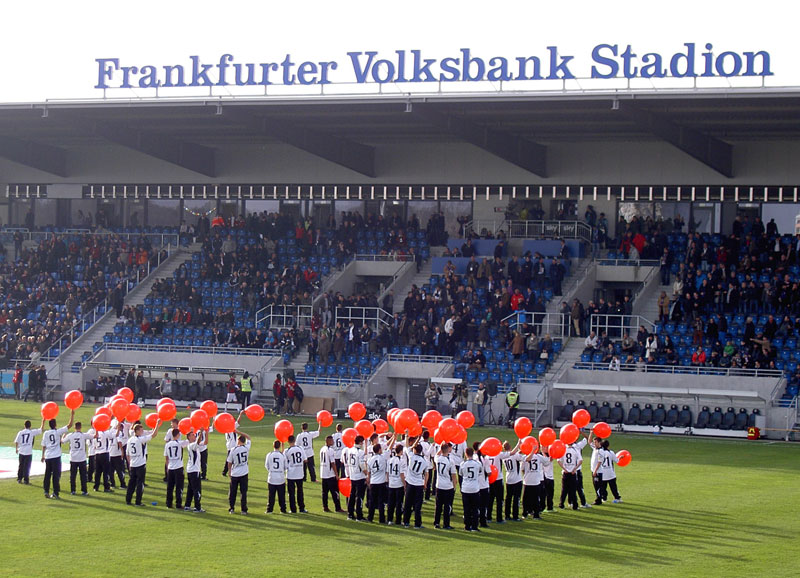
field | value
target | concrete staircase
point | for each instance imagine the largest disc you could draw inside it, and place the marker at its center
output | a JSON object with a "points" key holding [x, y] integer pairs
{"points": [[419, 280], [569, 284], [62, 367], [648, 307]]}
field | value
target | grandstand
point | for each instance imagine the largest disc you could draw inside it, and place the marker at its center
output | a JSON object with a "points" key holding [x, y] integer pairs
{"points": [[386, 249]]}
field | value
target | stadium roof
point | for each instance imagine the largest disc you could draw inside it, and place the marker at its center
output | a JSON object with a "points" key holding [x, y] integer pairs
{"points": [[517, 128]]}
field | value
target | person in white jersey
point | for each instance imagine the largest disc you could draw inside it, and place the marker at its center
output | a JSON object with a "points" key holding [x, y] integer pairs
{"points": [[533, 482], [549, 483], [512, 461], [594, 463], [115, 463], [570, 462], [445, 486], [356, 463], [23, 444], [295, 466], [330, 476], [231, 440], [305, 442], [395, 469], [77, 457], [471, 470], [198, 443], [607, 475], [483, 482], [173, 458], [376, 478], [51, 455], [578, 447], [102, 445], [137, 461], [238, 465], [167, 438], [338, 448], [415, 477], [276, 480]]}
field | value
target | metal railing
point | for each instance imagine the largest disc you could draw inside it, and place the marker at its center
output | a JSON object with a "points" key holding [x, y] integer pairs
{"points": [[411, 358], [371, 315], [682, 369], [629, 262], [383, 257], [554, 324], [284, 316], [477, 227], [156, 239], [618, 325], [87, 321], [539, 403], [196, 349], [530, 229]]}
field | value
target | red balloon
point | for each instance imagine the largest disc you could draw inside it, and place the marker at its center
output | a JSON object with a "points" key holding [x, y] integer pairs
{"points": [[209, 407], [356, 411], [166, 411], [528, 445], [405, 419], [126, 393], [185, 425], [523, 427], [602, 429], [491, 447], [199, 419], [151, 420], [49, 410], [461, 435], [493, 475], [547, 436], [416, 430], [225, 423], [134, 412], [581, 418], [255, 412], [431, 419], [344, 487], [324, 418], [104, 410], [465, 419], [164, 400], [380, 426], [449, 427], [120, 408], [364, 428], [101, 422], [283, 429], [113, 399], [438, 437], [392, 413], [623, 458], [569, 433], [557, 449], [349, 437], [73, 399]]}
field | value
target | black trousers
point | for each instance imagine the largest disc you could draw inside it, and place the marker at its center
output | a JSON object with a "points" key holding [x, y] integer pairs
{"points": [[430, 487], [309, 468], [496, 498], [603, 487], [24, 470], [101, 467], [330, 486], [92, 462], [513, 493], [75, 469], [175, 484], [579, 487], [549, 490], [280, 491], [470, 503], [225, 467], [296, 487], [355, 503], [52, 471], [395, 504], [413, 501], [377, 502], [193, 492], [569, 485], [245, 398], [531, 500], [444, 506], [204, 464], [117, 466], [237, 483], [135, 484], [483, 507], [599, 488], [512, 416]]}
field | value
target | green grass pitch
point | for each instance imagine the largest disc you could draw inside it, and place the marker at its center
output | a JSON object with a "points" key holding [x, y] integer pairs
{"points": [[693, 507]]}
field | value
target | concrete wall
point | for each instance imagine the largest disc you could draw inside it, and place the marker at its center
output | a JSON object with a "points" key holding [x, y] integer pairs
{"points": [[622, 273], [355, 271]]}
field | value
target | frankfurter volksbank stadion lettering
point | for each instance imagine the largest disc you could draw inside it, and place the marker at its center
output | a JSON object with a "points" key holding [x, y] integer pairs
{"points": [[606, 61]]}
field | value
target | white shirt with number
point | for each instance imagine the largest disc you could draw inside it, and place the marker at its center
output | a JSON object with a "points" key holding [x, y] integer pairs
{"points": [[534, 471], [395, 466], [193, 463], [24, 440], [304, 442], [114, 439], [570, 462], [338, 446], [355, 461], [295, 457], [238, 459], [513, 465], [578, 447], [276, 466], [230, 441], [417, 466], [607, 465], [377, 469], [597, 454], [137, 450], [486, 463], [327, 463], [173, 450], [51, 442], [497, 461], [77, 445], [445, 468], [457, 453], [471, 471]]}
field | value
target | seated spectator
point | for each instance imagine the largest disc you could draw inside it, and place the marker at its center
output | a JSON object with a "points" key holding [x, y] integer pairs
{"points": [[590, 343], [628, 345], [699, 357]]}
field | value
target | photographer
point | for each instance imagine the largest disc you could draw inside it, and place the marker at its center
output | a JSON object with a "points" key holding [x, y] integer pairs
{"points": [[481, 398], [459, 399], [432, 395]]}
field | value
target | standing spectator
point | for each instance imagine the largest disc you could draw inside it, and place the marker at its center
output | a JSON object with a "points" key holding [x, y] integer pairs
{"points": [[481, 398], [232, 389], [512, 403], [278, 393], [432, 395], [17, 381], [247, 389]]}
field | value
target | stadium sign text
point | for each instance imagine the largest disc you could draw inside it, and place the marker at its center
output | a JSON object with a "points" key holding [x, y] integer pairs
{"points": [[607, 61]]}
